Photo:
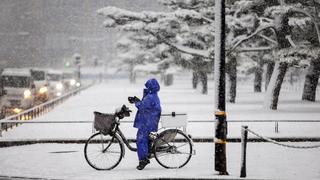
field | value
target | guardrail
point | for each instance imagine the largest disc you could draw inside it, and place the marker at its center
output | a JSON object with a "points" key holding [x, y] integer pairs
{"points": [[10, 121], [17, 121], [276, 122], [14, 142]]}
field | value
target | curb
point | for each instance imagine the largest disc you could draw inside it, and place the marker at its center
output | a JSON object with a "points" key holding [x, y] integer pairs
{"points": [[23, 178], [9, 143]]}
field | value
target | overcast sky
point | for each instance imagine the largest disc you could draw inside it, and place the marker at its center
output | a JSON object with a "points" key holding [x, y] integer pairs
{"points": [[49, 32]]}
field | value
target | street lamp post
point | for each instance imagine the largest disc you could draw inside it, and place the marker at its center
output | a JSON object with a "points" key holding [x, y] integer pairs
{"points": [[77, 62], [219, 75]]}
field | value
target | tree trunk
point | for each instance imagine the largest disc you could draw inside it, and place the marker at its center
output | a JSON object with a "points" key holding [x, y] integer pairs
{"points": [[204, 81], [311, 82], [258, 77], [282, 31], [132, 75], [273, 91], [195, 79], [270, 67], [232, 79]]}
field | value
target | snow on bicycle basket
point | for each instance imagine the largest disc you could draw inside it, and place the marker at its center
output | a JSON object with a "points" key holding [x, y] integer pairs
{"points": [[104, 122], [174, 120]]}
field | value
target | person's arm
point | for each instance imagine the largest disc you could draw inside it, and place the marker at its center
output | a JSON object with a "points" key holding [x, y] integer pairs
{"points": [[144, 103]]}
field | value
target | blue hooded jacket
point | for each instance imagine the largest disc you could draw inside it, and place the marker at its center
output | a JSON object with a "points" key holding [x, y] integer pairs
{"points": [[149, 109]]}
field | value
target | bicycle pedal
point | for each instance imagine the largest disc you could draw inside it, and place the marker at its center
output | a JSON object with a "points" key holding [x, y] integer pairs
{"points": [[194, 152], [150, 156]]}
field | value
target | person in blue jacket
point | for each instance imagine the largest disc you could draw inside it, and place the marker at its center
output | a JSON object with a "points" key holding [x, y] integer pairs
{"points": [[147, 119]]}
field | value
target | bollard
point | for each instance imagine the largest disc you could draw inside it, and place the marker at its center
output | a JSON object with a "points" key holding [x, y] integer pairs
{"points": [[1, 129], [244, 138], [276, 127]]}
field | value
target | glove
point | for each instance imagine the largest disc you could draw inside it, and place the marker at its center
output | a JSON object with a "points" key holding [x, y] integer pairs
{"points": [[133, 99]]}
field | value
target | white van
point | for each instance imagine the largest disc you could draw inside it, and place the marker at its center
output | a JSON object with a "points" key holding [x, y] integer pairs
{"points": [[70, 81], [20, 90], [56, 88], [41, 82]]}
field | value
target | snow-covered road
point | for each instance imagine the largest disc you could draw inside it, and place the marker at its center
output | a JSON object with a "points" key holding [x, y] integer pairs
{"points": [[179, 98]]}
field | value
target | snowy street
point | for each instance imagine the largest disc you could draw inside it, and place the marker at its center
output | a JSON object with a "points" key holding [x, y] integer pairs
{"points": [[264, 160]]}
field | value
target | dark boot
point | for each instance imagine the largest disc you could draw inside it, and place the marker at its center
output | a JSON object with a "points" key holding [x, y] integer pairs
{"points": [[143, 164]]}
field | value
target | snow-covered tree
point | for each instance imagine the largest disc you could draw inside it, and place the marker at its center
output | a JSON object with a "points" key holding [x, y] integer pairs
{"points": [[278, 24], [187, 30], [140, 52]]}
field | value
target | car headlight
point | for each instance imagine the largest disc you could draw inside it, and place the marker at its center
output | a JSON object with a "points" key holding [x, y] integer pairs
{"points": [[59, 86], [27, 94], [72, 82], [78, 84], [43, 90], [17, 110]]}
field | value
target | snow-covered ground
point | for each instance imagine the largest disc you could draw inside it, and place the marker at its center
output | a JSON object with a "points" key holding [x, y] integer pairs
{"points": [[265, 160]]}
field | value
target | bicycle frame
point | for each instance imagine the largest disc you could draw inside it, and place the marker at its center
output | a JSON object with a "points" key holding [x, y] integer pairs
{"points": [[118, 132], [124, 140]]}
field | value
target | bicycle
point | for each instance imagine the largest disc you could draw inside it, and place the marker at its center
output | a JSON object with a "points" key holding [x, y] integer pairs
{"points": [[171, 148]]}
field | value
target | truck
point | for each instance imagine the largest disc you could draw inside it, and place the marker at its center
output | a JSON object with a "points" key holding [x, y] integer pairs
{"points": [[41, 83], [19, 90], [2, 96], [56, 88]]}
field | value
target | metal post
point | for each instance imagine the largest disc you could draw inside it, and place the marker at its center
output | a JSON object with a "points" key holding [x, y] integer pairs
{"points": [[276, 127], [244, 139], [0, 129], [219, 75]]}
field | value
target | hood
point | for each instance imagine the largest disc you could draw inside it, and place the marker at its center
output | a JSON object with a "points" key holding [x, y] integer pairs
{"points": [[152, 85]]}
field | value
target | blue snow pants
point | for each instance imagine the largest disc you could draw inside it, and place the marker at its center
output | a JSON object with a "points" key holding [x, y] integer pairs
{"points": [[143, 143]]}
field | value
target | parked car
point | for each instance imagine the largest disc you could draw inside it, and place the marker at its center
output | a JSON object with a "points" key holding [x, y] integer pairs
{"points": [[20, 90], [41, 82], [56, 88]]}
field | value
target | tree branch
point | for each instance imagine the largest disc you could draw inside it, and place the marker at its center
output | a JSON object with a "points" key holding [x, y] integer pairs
{"points": [[312, 18], [180, 49], [249, 37], [268, 39], [291, 41], [254, 49]]}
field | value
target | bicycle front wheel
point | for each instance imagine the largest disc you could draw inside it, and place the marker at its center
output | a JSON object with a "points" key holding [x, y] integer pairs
{"points": [[173, 149], [103, 152]]}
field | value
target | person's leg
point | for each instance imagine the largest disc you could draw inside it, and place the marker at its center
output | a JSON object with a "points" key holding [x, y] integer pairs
{"points": [[142, 144], [142, 148]]}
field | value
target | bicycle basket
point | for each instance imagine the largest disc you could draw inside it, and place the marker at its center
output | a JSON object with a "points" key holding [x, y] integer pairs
{"points": [[104, 122]]}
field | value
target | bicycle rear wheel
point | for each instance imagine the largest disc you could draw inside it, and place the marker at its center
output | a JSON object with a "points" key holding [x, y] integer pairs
{"points": [[173, 149], [103, 152]]}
